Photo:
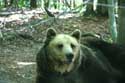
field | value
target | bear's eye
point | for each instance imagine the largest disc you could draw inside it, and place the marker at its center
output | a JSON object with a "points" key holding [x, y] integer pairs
{"points": [[73, 46], [60, 46]]}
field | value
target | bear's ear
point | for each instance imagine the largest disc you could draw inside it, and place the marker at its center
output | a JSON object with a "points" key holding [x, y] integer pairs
{"points": [[77, 34], [51, 33]]}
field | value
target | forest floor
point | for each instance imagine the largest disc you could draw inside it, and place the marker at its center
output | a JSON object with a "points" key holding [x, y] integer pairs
{"points": [[19, 45]]}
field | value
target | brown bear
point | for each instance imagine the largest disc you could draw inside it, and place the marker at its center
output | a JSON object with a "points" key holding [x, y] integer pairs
{"points": [[62, 59], [113, 52]]}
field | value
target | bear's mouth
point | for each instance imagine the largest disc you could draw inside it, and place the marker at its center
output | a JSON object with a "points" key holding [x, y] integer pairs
{"points": [[63, 61], [67, 61]]}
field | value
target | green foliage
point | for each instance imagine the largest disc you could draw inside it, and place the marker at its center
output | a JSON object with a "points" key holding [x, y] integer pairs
{"points": [[1, 4], [24, 3], [54, 4], [21, 3]]}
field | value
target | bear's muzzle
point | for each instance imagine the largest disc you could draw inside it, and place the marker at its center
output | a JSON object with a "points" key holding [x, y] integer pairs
{"points": [[69, 57]]}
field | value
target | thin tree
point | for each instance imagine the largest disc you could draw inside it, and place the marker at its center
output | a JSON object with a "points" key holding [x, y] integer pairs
{"points": [[121, 22], [112, 20]]}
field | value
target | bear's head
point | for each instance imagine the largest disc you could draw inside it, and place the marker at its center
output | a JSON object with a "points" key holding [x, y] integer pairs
{"points": [[63, 50]]}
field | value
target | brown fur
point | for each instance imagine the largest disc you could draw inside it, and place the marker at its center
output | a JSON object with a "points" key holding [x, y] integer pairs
{"points": [[83, 66]]}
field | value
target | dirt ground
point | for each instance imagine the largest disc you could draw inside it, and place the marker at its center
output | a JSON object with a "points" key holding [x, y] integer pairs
{"points": [[18, 53]]}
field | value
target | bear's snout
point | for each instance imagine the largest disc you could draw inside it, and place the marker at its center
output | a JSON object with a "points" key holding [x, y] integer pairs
{"points": [[69, 57]]}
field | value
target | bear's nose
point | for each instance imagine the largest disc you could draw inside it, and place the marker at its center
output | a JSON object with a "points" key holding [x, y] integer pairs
{"points": [[69, 57]]}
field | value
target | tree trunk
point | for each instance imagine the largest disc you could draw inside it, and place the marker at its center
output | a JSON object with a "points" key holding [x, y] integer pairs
{"points": [[89, 8], [11, 2], [102, 10], [112, 20], [96, 8], [33, 4], [5, 3], [121, 22]]}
